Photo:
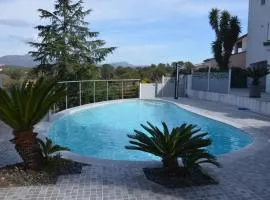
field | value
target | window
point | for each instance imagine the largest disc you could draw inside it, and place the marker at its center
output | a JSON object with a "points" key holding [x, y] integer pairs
{"points": [[262, 2]]}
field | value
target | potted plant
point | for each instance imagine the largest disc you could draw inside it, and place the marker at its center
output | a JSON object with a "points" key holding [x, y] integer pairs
{"points": [[21, 108], [256, 73]]}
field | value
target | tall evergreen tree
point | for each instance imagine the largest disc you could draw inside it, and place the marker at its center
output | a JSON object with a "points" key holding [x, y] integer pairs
{"points": [[227, 29], [67, 48]]}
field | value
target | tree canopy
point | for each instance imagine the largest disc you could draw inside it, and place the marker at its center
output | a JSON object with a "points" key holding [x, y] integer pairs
{"points": [[67, 48]]}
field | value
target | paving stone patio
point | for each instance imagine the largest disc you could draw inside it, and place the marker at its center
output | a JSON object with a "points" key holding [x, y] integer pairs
{"points": [[245, 174]]}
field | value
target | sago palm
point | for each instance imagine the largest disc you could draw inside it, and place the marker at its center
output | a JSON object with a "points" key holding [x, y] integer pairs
{"points": [[48, 148], [257, 72], [194, 159], [185, 142], [22, 107]]}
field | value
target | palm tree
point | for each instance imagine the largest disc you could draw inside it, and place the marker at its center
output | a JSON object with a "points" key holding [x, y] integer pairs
{"points": [[184, 142], [227, 29], [22, 108]]}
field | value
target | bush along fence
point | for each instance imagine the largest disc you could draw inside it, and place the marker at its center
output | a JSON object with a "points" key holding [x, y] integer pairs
{"points": [[239, 78], [218, 82]]}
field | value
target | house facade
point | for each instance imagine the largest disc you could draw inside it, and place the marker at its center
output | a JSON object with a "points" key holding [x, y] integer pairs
{"points": [[258, 48]]}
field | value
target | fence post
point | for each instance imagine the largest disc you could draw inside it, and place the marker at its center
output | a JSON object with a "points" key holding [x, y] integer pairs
{"points": [[140, 90], [229, 81], [208, 79], [1, 80], [94, 92], [66, 96], [122, 90], [163, 85], [107, 90], [80, 92], [54, 105], [176, 86]]}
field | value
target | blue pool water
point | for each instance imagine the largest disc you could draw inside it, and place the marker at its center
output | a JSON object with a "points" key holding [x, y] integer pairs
{"points": [[101, 132]]}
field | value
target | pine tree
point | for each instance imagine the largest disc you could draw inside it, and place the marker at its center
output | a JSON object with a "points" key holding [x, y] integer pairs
{"points": [[67, 48]]}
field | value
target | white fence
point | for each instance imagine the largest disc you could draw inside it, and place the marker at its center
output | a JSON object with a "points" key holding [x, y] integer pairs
{"points": [[212, 81], [215, 82], [164, 89]]}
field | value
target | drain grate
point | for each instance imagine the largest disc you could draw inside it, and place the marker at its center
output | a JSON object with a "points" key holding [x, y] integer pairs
{"points": [[242, 108]]}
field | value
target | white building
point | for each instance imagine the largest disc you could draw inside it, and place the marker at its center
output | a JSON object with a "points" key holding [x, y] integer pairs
{"points": [[258, 50]]}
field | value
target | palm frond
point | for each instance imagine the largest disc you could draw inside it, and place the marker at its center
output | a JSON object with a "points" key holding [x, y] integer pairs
{"points": [[24, 106], [185, 141], [48, 148]]}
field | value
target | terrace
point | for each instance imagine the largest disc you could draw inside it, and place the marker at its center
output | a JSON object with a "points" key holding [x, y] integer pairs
{"points": [[74, 127], [119, 181]]}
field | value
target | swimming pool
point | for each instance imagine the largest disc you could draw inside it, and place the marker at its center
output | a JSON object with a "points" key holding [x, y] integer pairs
{"points": [[101, 132]]}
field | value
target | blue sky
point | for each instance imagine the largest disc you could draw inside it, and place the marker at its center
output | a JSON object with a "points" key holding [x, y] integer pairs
{"points": [[145, 31]]}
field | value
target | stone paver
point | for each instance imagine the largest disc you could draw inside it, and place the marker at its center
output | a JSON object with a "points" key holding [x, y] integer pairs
{"points": [[244, 176]]}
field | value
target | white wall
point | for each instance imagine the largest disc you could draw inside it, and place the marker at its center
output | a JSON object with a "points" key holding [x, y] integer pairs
{"points": [[259, 18], [268, 77], [153, 90], [147, 91], [255, 105], [258, 33], [244, 44]]}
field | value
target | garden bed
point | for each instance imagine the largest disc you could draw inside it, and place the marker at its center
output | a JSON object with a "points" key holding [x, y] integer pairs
{"points": [[179, 179], [16, 175]]}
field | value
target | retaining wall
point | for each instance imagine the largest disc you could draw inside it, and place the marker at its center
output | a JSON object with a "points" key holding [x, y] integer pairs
{"points": [[255, 105]]}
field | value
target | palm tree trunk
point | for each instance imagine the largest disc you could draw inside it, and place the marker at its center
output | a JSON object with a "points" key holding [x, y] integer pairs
{"points": [[29, 149], [170, 164]]}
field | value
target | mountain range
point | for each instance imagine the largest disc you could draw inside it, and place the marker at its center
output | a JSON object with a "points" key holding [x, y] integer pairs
{"points": [[27, 61], [17, 60]]}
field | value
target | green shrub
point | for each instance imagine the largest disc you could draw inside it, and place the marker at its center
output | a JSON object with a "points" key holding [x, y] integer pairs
{"points": [[185, 141], [257, 72], [238, 78], [48, 148]]}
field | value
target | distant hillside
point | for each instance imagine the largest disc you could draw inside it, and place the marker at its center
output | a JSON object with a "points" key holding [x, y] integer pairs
{"points": [[121, 64], [17, 60]]}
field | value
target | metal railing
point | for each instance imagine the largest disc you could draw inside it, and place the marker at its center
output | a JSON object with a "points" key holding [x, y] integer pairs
{"points": [[90, 91]]}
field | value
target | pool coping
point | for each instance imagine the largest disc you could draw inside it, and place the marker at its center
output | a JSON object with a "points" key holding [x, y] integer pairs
{"points": [[258, 143]]}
